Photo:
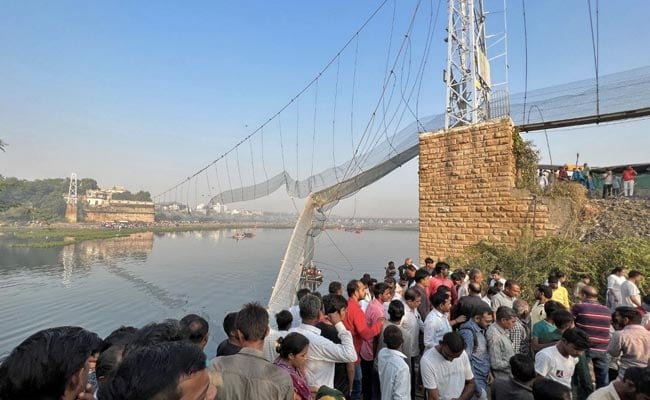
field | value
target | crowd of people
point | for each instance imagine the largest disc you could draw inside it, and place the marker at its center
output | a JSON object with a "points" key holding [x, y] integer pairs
{"points": [[613, 185], [415, 332]]}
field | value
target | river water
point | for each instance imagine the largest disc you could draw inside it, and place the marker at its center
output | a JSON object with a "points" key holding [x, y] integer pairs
{"points": [[147, 277]]}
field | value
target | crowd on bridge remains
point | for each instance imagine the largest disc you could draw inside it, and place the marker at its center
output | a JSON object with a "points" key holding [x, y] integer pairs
{"points": [[613, 185], [414, 333]]}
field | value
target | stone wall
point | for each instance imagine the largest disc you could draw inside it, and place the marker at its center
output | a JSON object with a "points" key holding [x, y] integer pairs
{"points": [[468, 194], [119, 213]]}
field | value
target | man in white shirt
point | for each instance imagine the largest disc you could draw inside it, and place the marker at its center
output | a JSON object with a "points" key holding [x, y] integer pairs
{"points": [[323, 353], [295, 310], [446, 372], [634, 386], [437, 322], [558, 362], [283, 320], [476, 276], [614, 282], [412, 325], [630, 294], [394, 376]]}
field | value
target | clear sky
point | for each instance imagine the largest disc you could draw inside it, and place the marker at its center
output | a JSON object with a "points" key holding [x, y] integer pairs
{"points": [[142, 94]]}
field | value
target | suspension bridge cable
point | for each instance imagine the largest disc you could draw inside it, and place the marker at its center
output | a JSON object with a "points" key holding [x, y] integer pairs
{"points": [[266, 175], [228, 175], [250, 145], [241, 181], [336, 94], [383, 90], [418, 80], [216, 173], [339, 249], [284, 167], [523, 8], [548, 143], [289, 103], [433, 21], [387, 75], [297, 140], [354, 82], [594, 47], [313, 137]]}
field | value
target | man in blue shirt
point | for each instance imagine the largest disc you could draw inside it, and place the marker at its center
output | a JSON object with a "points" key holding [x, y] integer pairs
{"points": [[394, 375], [473, 333]]}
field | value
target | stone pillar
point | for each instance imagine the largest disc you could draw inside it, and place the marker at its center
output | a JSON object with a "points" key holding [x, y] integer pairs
{"points": [[467, 191], [71, 213]]}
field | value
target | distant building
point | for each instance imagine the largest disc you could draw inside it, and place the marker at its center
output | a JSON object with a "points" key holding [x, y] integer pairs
{"points": [[99, 206]]}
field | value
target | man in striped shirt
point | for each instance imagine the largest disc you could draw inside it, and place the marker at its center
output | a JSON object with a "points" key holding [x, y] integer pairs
{"points": [[594, 319]]}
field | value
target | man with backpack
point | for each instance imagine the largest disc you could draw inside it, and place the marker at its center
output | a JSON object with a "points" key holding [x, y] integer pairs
{"points": [[473, 333]]}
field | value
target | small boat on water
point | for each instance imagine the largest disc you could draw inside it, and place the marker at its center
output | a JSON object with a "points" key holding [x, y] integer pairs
{"points": [[243, 235], [311, 274]]}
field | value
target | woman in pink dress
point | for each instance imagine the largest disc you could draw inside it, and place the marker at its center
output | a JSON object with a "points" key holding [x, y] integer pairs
{"points": [[293, 350]]}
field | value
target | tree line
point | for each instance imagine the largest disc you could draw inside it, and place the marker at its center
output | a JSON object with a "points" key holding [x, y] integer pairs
{"points": [[45, 199]]}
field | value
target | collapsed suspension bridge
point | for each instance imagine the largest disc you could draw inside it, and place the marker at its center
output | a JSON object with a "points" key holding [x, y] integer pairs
{"points": [[383, 135]]}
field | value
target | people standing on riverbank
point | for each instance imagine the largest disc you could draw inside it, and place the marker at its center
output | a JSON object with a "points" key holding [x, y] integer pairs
{"points": [[283, 322], [608, 182], [446, 371], [196, 329], [558, 362], [295, 310], [499, 343], [614, 282], [632, 343], [543, 293], [324, 353], [52, 363], [356, 324], [441, 278], [594, 319], [507, 297], [560, 294], [628, 181], [392, 368], [374, 314], [292, 350], [230, 345], [412, 325], [476, 347], [630, 294]]}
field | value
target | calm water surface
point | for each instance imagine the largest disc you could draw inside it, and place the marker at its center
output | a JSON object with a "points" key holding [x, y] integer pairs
{"points": [[104, 284]]}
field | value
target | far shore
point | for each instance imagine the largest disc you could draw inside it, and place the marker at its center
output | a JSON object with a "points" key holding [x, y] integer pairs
{"points": [[63, 234]]}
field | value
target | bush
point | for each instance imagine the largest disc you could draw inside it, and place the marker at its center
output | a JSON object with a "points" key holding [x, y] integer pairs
{"points": [[526, 160], [531, 261]]}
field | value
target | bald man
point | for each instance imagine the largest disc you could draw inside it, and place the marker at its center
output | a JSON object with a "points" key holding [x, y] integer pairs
{"points": [[594, 319]]}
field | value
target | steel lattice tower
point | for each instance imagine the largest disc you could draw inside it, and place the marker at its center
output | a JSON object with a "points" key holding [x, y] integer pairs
{"points": [[468, 69], [72, 190]]}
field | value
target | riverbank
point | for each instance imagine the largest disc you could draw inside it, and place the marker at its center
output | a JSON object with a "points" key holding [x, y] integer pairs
{"points": [[62, 234]]}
